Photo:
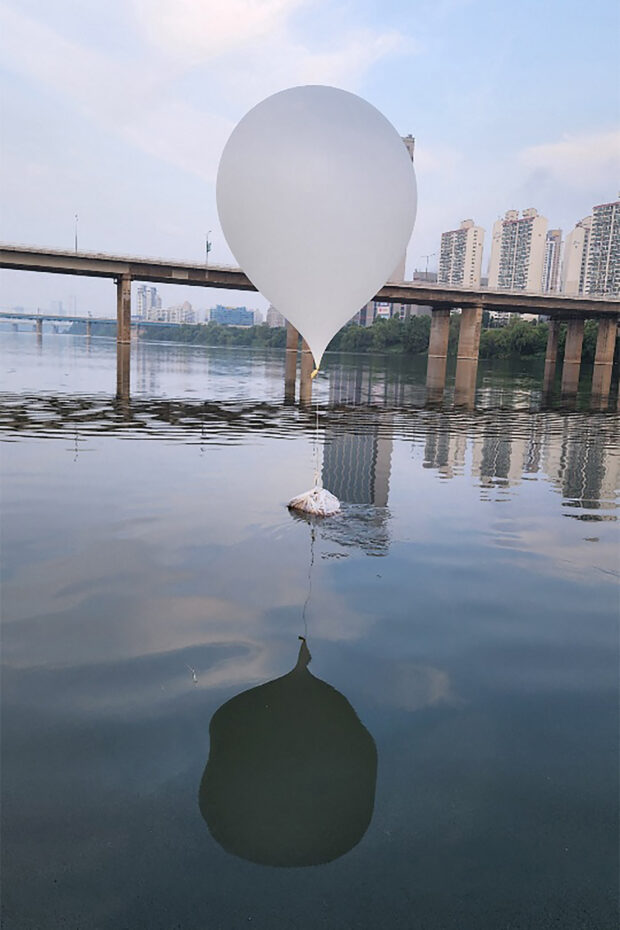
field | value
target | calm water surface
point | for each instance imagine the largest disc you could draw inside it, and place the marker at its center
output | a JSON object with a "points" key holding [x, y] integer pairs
{"points": [[452, 764]]}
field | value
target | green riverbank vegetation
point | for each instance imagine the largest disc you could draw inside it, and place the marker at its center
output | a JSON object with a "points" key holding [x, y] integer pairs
{"points": [[518, 338]]}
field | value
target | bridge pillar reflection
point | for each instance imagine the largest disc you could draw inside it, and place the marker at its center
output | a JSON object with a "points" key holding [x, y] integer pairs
{"points": [[551, 355], [89, 327], [437, 353], [123, 370], [305, 378], [572, 357], [467, 355], [604, 358], [38, 328], [290, 365], [123, 308]]}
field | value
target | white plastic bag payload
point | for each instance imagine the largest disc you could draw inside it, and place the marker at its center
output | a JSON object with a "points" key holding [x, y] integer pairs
{"points": [[318, 503]]}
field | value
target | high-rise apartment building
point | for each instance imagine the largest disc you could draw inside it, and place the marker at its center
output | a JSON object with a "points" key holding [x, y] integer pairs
{"points": [[274, 317], [551, 264], [460, 258], [518, 251], [603, 260], [575, 262], [147, 302], [399, 272]]}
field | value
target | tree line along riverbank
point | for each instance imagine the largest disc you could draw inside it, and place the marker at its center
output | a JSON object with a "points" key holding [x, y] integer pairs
{"points": [[409, 336]]}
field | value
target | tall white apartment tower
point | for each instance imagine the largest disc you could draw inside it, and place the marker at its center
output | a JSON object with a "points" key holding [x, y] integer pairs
{"points": [[399, 272], [518, 251], [575, 263], [603, 268], [148, 300], [460, 258], [551, 264]]}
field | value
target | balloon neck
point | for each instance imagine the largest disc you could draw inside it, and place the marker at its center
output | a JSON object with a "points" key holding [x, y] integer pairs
{"points": [[304, 656], [314, 373]]}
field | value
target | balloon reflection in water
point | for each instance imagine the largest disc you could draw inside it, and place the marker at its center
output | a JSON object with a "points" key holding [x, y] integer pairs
{"points": [[291, 774]]}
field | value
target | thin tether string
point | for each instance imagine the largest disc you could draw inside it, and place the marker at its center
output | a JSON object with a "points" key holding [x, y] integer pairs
{"points": [[317, 476], [307, 602]]}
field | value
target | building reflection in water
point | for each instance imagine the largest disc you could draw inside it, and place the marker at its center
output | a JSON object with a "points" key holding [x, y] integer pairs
{"points": [[500, 447], [574, 451], [444, 449], [356, 468], [291, 774]]}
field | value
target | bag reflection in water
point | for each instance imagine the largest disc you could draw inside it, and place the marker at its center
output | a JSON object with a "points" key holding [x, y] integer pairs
{"points": [[291, 774]]}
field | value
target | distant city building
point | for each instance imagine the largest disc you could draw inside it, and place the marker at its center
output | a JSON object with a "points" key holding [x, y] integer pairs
{"points": [[373, 310], [501, 317], [258, 317], [377, 309], [551, 264], [274, 317], [603, 261], [182, 313], [575, 263], [365, 316], [399, 272], [232, 316], [518, 251], [460, 257], [409, 145], [57, 307], [148, 300]]}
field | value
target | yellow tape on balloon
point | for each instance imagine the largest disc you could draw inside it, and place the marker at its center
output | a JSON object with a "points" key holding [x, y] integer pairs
{"points": [[314, 373]]}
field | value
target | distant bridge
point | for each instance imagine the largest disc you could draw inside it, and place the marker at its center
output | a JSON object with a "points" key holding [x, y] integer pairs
{"points": [[46, 316]]}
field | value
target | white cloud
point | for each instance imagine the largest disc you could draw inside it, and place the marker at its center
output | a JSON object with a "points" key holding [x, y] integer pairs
{"points": [[121, 97], [578, 160], [200, 30], [277, 64], [139, 98]]}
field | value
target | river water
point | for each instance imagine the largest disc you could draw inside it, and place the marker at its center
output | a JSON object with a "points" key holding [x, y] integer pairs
{"points": [[453, 762]]}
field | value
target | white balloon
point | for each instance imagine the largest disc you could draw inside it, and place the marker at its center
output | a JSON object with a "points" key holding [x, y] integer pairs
{"points": [[316, 196]]}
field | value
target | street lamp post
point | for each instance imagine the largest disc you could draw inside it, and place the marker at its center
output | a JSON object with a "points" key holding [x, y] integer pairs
{"points": [[430, 255], [207, 248], [76, 232]]}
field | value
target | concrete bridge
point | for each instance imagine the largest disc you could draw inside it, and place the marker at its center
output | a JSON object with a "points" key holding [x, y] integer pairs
{"points": [[41, 317], [472, 302]]}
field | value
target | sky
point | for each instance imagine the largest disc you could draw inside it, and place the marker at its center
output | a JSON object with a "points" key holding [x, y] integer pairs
{"points": [[118, 112]]}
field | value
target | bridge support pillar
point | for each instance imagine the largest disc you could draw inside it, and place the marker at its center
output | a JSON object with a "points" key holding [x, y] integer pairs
{"points": [[290, 365], [604, 358], [123, 309], [437, 353], [467, 355], [305, 378], [551, 355], [572, 357]]}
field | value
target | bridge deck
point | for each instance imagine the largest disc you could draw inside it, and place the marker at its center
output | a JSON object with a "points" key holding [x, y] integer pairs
{"points": [[161, 271]]}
